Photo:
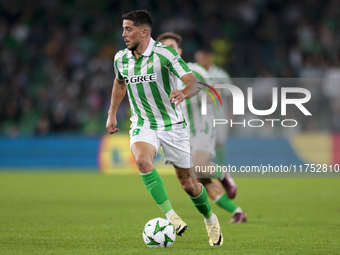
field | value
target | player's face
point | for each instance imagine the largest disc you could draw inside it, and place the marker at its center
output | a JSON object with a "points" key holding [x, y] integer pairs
{"points": [[202, 59], [132, 34], [173, 44]]}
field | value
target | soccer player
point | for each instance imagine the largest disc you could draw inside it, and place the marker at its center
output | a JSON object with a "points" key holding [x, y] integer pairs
{"points": [[204, 58], [202, 134], [148, 71]]}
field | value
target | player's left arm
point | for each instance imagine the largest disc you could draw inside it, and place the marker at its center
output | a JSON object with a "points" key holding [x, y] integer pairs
{"points": [[190, 90]]}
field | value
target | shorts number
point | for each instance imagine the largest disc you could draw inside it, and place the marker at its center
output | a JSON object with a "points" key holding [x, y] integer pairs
{"points": [[135, 131]]}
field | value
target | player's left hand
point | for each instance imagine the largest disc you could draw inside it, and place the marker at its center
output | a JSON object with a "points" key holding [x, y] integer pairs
{"points": [[176, 97]]}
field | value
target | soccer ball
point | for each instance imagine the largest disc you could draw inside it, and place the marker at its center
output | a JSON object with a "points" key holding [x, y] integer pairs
{"points": [[159, 233]]}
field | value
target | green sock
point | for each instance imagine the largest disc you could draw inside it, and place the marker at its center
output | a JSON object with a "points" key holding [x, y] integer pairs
{"points": [[226, 203], [202, 204], [154, 184]]}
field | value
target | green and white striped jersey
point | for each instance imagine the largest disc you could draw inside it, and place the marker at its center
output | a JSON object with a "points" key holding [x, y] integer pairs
{"points": [[219, 76], [192, 107], [149, 80]]}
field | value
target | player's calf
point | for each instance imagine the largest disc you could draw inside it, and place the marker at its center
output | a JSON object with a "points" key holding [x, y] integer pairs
{"points": [[190, 188], [189, 185]]}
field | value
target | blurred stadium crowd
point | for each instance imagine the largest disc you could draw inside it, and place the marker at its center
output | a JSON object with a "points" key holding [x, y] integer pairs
{"points": [[56, 56]]}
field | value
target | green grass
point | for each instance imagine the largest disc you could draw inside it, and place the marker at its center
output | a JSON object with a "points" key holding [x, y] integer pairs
{"points": [[84, 213]]}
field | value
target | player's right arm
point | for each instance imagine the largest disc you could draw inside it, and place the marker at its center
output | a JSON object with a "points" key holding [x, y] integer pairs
{"points": [[118, 93]]}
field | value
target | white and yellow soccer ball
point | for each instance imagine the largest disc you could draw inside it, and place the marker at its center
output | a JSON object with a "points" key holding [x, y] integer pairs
{"points": [[159, 233]]}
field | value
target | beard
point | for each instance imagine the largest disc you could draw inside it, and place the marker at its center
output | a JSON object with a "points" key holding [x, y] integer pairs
{"points": [[133, 47]]}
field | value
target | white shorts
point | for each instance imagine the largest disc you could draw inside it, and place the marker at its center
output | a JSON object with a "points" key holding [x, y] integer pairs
{"points": [[205, 142], [175, 143], [221, 134]]}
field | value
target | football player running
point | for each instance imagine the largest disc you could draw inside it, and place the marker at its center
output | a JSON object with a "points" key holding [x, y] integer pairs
{"points": [[148, 71]]}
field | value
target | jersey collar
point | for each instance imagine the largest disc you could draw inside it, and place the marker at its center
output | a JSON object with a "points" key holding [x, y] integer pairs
{"points": [[148, 50]]}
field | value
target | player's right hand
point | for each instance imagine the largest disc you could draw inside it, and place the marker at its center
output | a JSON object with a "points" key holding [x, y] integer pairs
{"points": [[111, 124]]}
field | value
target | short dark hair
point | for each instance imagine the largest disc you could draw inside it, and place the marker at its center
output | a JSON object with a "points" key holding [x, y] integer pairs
{"points": [[139, 17], [205, 48], [170, 35]]}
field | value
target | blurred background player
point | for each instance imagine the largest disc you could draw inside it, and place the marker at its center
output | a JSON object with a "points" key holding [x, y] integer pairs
{"points": [[202, 135], [147, 70], [204, 57]]}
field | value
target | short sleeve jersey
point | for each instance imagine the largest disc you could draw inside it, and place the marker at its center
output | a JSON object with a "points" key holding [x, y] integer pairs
{"points": [[150, 80]]}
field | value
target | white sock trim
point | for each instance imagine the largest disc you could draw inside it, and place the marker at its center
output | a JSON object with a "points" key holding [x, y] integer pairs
{"points": [[238, 210], [169, 213], [200, 192], [210, 220], [218, 198], [147, 172]]}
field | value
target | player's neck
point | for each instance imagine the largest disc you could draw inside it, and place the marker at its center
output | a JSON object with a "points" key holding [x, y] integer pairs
{"points": [[141, 47], [207, 66]]}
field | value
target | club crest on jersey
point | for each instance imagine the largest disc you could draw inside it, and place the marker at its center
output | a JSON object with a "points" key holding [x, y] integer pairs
{"points": [[140, 78], [149, 64], [125, 66]]}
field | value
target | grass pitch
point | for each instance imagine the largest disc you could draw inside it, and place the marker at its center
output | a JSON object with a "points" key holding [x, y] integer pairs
{"points": [[85, 213]]}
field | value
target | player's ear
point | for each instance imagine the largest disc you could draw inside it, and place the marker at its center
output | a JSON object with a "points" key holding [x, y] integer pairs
{"points": [[145, 32]]}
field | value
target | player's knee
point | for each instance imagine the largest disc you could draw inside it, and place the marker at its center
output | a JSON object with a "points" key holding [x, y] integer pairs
{"points": [[144, 164]]}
